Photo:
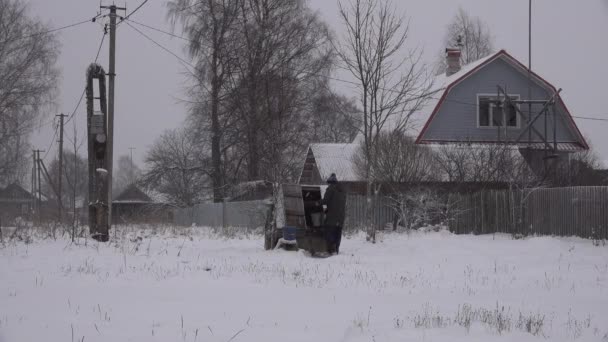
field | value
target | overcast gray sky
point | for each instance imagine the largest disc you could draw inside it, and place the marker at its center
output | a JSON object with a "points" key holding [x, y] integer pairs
{"points": [[570, 50]]}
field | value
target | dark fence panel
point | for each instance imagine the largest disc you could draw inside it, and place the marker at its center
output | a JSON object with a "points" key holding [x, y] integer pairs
{"points": [[573, 211]]}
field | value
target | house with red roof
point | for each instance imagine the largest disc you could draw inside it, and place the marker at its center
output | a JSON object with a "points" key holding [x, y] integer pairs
{"points": [[494, 100]]}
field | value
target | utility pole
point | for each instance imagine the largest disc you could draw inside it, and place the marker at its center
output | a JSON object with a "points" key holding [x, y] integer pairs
{"points": [[39, 187], [112, 75], [59, 181], [33, 178]]}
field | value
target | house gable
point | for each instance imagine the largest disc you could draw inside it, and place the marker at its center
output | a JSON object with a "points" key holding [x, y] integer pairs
{"points": [[15, 193], [310, 172], [454, 117], [132, 194], [324, 159]]}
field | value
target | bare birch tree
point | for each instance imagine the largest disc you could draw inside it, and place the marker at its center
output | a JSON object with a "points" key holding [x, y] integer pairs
{"points": [[393, 82], [28, 79], [284, 49], [209, 24], [471, 34], [175, 167]]}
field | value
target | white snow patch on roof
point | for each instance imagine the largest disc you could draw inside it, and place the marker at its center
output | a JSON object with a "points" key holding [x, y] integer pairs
{"points": [[440, 84], [336, 158], [418, 119]]}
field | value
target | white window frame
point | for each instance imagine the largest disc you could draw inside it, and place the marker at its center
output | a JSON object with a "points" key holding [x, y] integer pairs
{"points": [[491, 113]]}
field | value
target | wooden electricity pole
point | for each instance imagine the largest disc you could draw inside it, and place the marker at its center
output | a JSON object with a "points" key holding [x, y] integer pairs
{"points": [[59, 181], [112, 75], [33, 179], [37, 180]]}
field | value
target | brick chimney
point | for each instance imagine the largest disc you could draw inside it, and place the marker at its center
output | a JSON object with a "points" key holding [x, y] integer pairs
{"points": [[452, 59]]}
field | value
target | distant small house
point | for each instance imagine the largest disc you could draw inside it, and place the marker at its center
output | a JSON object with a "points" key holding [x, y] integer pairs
{"points": [[133, 205], [250, 191], [467, 107], [324, 159], [15, 202]]}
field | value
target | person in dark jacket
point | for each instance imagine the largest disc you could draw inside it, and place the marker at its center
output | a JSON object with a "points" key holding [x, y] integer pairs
{"points": [[335, 200]]}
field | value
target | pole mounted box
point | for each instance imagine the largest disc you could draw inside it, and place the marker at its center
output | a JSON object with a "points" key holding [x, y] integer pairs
{"points": [[97, 138]]}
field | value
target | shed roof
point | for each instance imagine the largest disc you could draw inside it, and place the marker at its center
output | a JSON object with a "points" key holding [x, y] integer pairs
{"points": [[336, 158], [14, 192], [132, 194]]}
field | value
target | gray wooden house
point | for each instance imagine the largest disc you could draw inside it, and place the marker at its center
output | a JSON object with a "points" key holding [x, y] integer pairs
{"points": [[495, 100], [491, 101], [133, 205], [15, 202]]}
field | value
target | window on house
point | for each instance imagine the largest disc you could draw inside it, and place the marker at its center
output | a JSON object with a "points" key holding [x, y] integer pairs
{"points": [[490, 113]]}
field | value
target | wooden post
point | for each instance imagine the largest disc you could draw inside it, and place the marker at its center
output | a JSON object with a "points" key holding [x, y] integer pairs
{"points": [[39, 187], [60, 176], [99, 221]]}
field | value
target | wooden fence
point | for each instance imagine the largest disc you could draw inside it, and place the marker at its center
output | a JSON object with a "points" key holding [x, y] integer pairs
{"points": [[573, 211], [382, 212]]}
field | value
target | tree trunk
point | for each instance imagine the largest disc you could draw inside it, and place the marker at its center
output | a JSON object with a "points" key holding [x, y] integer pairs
{"points": [[216, 159], [253, 171]]}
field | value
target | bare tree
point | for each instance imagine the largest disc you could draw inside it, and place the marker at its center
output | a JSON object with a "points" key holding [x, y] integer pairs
{"points": [[578, 169], [398, 160], [175, 167], [471, 34], [209, 24], [402, 167], [127, 173], [283, 50], [393, 83], [334, 118], [74, 177], [27, 83]]}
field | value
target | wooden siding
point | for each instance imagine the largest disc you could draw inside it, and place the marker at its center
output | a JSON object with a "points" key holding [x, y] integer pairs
{"points": [[456, 119], [310, 172], [572, 211]]}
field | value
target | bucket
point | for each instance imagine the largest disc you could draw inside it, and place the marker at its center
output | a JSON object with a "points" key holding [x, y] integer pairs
{"points": [[317, 219], [289, 233]]}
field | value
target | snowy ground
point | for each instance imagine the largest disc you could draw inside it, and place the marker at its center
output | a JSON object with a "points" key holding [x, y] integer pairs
{"points": [[196, 286]]}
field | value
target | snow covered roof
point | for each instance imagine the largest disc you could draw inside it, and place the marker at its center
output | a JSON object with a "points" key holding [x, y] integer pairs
{"points": [[419, 118], [132, 194], [336, 158], [443, 84], [14, 192]]}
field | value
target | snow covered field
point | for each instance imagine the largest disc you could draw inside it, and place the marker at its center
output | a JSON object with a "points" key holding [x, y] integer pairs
{"points": [[191, 285]]}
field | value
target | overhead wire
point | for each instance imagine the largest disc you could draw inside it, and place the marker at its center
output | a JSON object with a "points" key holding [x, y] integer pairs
{"points": [[51, 30], [183, 61], [475, 105], [310, 73], [135, 10], [75, 109], [85, 89]]}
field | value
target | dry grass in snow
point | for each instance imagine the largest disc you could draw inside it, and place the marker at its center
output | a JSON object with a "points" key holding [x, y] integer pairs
{"points": [[196, 285]]}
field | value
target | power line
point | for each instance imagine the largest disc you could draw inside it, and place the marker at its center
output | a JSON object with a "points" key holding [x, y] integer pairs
{"points": [[48, 149], [136, 9], [475, 105], [85, 89], [192, 41], [51, 31], [161, 46], [589, 118], [309, 73], [161, 31]]}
